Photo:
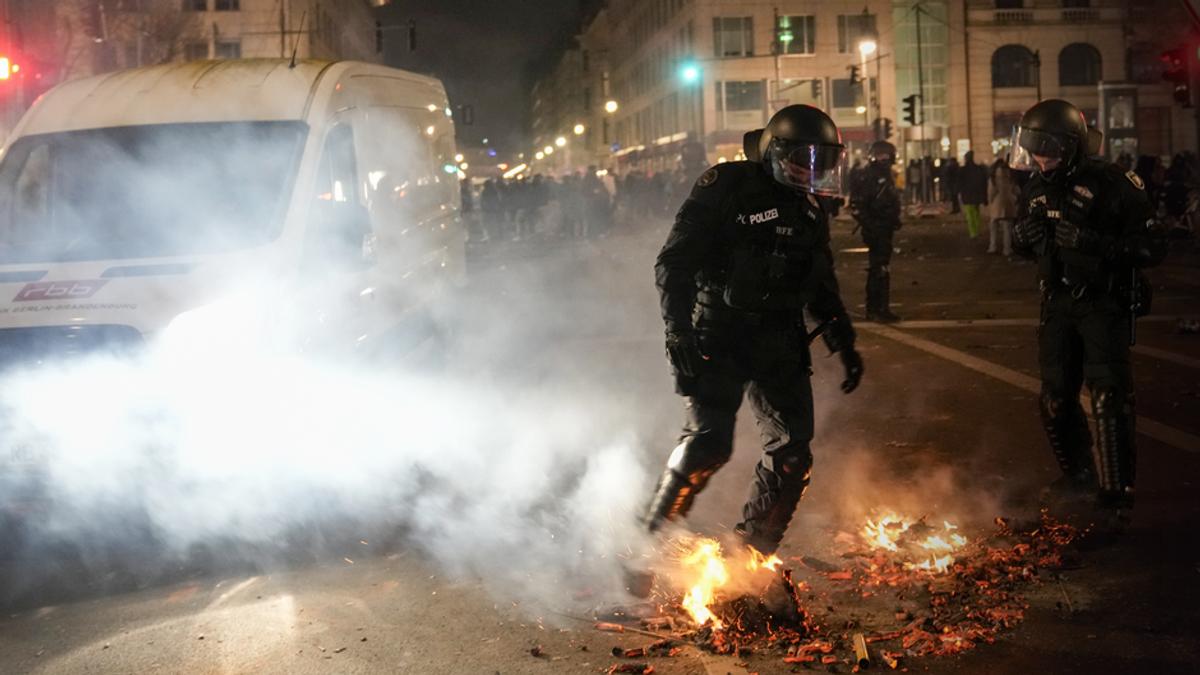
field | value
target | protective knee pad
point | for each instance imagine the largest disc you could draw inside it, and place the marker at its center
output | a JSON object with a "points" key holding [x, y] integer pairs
{"points": [[793, 467], [697, 458]]}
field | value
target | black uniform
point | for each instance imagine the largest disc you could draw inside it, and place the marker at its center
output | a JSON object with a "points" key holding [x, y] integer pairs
{"points": [[1089, 275], [744, 259], [875, 203]]}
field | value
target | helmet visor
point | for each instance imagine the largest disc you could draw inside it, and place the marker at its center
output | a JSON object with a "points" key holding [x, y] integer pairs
{"points": [[807, 167], [1028, 145]]}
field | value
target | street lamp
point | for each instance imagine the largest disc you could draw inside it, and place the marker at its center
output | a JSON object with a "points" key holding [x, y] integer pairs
{"points": [[549, 149], [865, 47], [560, 141], [611, 107], [578, 129]]}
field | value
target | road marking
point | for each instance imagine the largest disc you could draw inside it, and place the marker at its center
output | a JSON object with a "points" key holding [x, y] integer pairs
{"points": [[1152, 352], [1157, 430]]}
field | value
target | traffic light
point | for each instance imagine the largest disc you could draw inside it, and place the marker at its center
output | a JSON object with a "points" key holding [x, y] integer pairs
{"points": [[816, 89], [1179, 71], [910, 108], [854, 78], [689, 71], [6, 68], [887, 128], [783, 34]]}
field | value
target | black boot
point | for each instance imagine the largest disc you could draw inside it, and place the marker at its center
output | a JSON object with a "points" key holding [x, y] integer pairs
{"points": [[879, 309], [1117, 456], [1067, 430], [767, 513]]}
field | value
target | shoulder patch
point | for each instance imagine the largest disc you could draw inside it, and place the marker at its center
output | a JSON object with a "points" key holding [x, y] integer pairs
{"points": [[1135, 179], [707, 178]]}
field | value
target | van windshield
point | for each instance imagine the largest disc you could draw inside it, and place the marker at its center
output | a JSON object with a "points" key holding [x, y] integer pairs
{"points": [[146, 191]]}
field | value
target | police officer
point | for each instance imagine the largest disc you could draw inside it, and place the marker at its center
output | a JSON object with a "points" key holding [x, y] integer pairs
{"points": [[875, 204], [748, 253], [1091, 229]]}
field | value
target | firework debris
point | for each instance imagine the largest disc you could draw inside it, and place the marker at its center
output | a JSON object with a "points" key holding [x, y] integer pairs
{"points": [[975, 592]]}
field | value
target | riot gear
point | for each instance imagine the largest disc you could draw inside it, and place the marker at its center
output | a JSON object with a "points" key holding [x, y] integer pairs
{"points": [[875, 203], [1056, 132], [882, 152], [804, 150], [743, 264], [1090, 228]]}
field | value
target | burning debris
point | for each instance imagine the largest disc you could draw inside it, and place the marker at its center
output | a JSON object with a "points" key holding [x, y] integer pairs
{"points": [[949, 594]]}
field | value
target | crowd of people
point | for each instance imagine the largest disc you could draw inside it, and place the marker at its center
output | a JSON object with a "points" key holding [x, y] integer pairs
{"points": [[588, 204]]}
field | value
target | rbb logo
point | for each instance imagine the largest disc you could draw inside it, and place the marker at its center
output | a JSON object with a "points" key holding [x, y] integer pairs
{"points": [[59, 290]]}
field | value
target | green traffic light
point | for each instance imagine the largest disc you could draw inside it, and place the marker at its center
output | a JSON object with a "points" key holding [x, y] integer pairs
{"points": [[690, 73]]}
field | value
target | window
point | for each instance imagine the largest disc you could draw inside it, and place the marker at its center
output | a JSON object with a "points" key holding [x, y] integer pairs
{"points": [[740, 95], [733, 36], [846, 95], [1143, 64], [1013, 66], [195, 5], [226, 5], [337, 221], [853, 29], [797, 34], [195, 51], [228, 49], [1076, 3], [1010, 4], [1004, 123], [81, 195], [1079, 64]]}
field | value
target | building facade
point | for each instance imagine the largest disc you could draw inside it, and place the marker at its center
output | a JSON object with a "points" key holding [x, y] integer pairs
{"points": [[941, 79], [54, 41]]}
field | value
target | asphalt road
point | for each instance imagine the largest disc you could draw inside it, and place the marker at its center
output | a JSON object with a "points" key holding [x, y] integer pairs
{"points": [[508, 580]]}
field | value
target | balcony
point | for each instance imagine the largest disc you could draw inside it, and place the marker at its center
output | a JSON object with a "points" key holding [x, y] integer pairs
{"points": [[1052, 16]]}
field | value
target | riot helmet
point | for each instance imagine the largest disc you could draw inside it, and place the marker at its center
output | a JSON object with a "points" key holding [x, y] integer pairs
{"points": [[1052, 135], [802, 150], [882, 152]]}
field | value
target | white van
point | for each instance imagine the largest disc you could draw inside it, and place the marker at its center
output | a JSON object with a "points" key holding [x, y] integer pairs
{"points": [[320, 197]]}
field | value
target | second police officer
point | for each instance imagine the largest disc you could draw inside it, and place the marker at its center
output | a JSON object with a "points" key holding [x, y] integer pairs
{"points": [[748, 254], [1091, 229], [875, 203]]}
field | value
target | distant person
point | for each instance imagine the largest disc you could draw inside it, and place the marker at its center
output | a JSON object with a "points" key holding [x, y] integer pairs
{"points": [[1002, 199], [875, 204], [972, 191], [948, 182], [1090, 228], [914, 181]]}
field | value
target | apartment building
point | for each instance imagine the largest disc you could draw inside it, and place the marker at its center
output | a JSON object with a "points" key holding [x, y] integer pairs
{"points": [[936, 77], [53, 41]]}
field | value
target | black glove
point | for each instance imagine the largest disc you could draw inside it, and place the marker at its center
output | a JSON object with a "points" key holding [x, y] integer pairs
{"points": [[1028, 231], [1068, 235], [684, 352], [854, 369]]}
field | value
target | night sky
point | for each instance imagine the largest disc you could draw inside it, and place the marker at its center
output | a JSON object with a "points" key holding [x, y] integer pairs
{"points": [[486, 52]]}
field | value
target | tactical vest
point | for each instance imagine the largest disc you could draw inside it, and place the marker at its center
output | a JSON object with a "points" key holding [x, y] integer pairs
{"points": [[768, 242], [1090, 200]]}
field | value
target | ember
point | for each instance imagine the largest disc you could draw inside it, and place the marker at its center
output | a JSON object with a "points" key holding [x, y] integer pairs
{"points": [[969, 592]]}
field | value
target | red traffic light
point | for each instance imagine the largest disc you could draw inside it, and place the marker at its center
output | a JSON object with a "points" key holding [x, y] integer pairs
{"points": [[1179, 73], [6, 68]]}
